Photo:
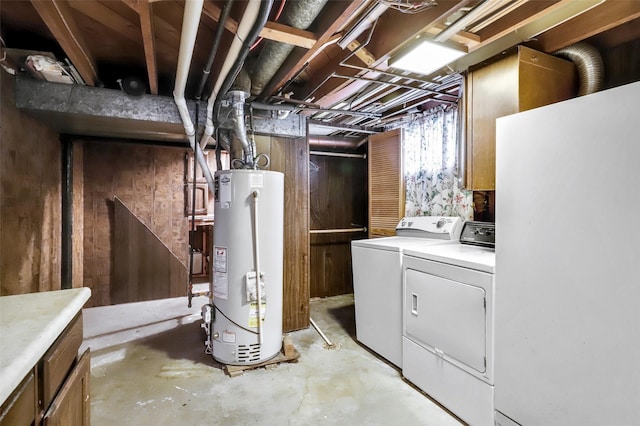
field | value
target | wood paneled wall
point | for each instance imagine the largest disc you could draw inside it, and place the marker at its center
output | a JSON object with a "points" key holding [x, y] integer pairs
{"points": [[150, 181], [144, 267], [338, 200], [30, 200], [291, 156]]}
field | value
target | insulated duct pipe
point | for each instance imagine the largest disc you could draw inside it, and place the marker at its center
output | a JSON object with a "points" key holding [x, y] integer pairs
{"points": [[297, 14], [237, 98], [263, 14], [589, 64], [246, 23], [190, 21]]}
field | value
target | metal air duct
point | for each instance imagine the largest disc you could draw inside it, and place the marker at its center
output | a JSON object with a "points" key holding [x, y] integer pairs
{"points": [[589, 64], [298, 14]]}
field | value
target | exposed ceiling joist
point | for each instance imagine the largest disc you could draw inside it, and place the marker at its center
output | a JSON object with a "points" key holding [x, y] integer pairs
{"points": [[333, 26], [145, 9], [57, 15], [382, 44], [290, 35], [107, 17], [271, 31], [590, 23], [465, 38]]}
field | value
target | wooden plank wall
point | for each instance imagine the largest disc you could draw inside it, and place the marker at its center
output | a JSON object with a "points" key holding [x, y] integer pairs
{"points": [[30, 200], [150, 181], [144, 268], [77, 247], [338, 200], [291, 156]]}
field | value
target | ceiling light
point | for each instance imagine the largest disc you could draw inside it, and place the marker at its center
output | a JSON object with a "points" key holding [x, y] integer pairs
{"points": [[427, 57], [364, 23]]}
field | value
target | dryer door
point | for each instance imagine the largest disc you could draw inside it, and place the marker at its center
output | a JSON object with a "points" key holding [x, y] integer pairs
{"points": [[446, 317]]}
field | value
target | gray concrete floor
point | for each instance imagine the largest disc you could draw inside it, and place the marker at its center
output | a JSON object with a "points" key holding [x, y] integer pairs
{"points": [[148, 366]]}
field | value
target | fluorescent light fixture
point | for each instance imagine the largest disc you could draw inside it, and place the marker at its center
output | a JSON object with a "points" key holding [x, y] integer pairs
{"points": [[427, 57], [362, 25]]}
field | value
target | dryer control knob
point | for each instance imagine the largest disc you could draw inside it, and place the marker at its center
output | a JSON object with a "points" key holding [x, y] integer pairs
{"points": [[440, 223]]}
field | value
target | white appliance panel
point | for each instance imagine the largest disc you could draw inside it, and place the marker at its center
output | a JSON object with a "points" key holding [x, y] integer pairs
{"points": [[375, 287], [567, 293], [465, 256], [446, 317], [466, 396]]}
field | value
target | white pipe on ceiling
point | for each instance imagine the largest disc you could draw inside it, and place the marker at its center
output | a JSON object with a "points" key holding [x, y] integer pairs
{"points": [[190, 22]]}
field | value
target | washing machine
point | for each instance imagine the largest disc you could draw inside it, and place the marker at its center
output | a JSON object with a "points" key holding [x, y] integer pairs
{"points": [[377, 279], [448, 327]]}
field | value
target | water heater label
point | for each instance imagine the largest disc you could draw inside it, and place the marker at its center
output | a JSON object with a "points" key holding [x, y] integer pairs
{"points": [[220, 278], [225, 191], [228, 336], [253, 313]]}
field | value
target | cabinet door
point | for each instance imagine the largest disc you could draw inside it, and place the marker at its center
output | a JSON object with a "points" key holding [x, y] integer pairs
{"points": [[523, 80], [71, 405], [386, 183], [20, 408], [492, 91]]}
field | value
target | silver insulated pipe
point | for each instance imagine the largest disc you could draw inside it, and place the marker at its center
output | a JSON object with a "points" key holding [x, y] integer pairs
{"points": [[589, 64], [298, 14]]}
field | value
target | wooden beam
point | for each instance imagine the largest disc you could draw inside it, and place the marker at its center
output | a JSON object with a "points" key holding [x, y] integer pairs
{"points": [[57, 15], [149, 41], [516, 18], [271, 31], [362, 53], [595, 21], [283, 33], [133, 4], [333, 26], [462, 37], [107, 17], [213, 11]]}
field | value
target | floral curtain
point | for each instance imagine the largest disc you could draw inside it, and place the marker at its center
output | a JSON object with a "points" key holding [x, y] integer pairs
{"points": [[430, 167]]}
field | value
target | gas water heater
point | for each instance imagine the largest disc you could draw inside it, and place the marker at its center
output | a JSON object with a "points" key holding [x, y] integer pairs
{"points": [[244, 321]]}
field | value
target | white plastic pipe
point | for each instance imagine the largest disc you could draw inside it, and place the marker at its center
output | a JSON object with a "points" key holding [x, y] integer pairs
{"points": [[190, 22], [256, 252], [246, 23]]}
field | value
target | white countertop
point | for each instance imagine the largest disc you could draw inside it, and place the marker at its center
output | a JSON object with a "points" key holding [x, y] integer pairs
{"points": [[29, 324]]}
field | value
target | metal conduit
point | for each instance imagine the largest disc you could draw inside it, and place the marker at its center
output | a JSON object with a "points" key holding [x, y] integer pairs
{"points": [[226, 9]]}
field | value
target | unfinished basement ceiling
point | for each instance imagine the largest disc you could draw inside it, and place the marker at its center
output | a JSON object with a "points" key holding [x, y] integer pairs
{"points": [[313, 55]]}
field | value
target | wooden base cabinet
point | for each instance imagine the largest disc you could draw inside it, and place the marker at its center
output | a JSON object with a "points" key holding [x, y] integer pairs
{"points": [[56, 390], [523, 80], [72, 404]]}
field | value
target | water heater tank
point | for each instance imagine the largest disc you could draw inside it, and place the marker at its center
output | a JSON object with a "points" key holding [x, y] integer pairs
{"points": [[247, 316]]}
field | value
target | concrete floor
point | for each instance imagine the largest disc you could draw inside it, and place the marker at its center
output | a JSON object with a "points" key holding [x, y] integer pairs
{"points": [[148, 366]]}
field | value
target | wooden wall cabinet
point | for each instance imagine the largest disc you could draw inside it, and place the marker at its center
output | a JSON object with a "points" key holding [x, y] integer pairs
{"points": [[523, 80], [56, 391]]}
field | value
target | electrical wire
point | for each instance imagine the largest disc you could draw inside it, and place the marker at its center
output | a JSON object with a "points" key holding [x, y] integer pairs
{"points": [[408, 6], [282, 3]]}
